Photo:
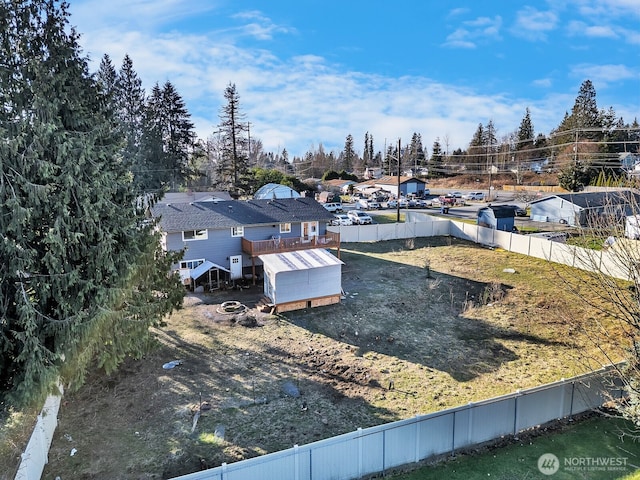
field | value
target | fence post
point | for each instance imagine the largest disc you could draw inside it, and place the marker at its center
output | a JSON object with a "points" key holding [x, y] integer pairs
{"points": [[360, 451], [573, 389], [453, 436], [515, 413], [417, 454]]}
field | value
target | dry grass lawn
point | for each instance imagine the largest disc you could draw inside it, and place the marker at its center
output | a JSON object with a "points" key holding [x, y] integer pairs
{"points": [[425, 324]]}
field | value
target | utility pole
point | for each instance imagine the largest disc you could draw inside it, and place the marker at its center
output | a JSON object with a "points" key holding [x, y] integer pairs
{"points": [[249, 142], [398, 198]]}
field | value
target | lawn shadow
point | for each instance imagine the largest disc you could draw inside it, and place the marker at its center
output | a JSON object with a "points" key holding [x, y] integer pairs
{"points": [[416, 314]]}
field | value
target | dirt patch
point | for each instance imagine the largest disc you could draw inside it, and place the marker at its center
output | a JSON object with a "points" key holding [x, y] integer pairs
{"points": [[405, 340]]}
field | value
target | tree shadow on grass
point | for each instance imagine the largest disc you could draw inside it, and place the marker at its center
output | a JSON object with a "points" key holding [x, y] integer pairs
{"points": [[405, 311]]}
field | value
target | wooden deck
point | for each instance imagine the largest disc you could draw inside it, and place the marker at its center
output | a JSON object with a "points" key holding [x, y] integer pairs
{"points": [[288, 244]]}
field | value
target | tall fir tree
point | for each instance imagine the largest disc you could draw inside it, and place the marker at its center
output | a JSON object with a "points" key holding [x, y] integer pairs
{"points": [[416, 151], [131, 105], [436, 162], [233, 161], [477, 151], [82, 277], [349, 156]]}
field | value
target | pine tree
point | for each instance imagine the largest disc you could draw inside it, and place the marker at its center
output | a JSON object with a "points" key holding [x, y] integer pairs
{"points": [[349, 156], [477, 151], [82, 278], [416, 151], [130, 111], [436, 163], [233, 162], [585, 113], [178, 136]]}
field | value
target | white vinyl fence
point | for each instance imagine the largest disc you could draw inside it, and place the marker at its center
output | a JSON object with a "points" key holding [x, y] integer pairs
{"points": [[377, 450], [608, 262], [36, 455], [391, 445]]}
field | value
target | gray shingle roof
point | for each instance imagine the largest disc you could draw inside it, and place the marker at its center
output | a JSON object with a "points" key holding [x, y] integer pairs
{"points": [[234, 213], [598, 199]]}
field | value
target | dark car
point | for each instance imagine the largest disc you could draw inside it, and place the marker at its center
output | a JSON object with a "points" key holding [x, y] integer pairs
{"points": [[519, 211]]}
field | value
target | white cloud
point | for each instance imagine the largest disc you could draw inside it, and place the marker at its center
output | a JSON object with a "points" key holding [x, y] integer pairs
{"points": [[533, 24], [260, 26], [604, 75], [542, 82], [303, 101], [474, 31], [578, 28]]}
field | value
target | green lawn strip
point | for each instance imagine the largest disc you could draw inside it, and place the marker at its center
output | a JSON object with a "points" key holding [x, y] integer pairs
{"points": [[582, 448]]}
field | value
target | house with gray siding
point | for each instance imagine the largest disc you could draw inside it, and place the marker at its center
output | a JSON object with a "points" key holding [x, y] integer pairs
{"points": [[585, 208], [223, 240]]}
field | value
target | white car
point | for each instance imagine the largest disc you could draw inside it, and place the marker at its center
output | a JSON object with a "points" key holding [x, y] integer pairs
{"points": [[359, 218], [474, 196], [341, 219], [333, 207]]}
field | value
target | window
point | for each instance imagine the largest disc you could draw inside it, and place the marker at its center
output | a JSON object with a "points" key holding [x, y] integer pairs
{"points": [[237, 231], [190, 235], [191, 264], [285, 228]]}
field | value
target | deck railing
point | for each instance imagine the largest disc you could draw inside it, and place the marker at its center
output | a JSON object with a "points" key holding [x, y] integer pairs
{"points": [[290, 244]]}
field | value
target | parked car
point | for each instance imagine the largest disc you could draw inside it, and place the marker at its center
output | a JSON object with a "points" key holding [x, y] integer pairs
{"points": [[333, 207], [454, 194], [359, 218], [374, 205], [341, 219], [474, 196], [519, 211], [362, 204], [394, 203]]}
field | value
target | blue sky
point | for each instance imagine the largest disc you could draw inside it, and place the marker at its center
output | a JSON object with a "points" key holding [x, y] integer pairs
{"points": [[310, 72]]}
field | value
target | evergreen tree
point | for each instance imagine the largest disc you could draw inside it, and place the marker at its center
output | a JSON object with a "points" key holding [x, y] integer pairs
{"points": [[585, 113], [349, 156], [436, 163], [477, 151], [168, 140], [178, 136], [368, 156], [525, 139], [416, 151], [233, 163], [107, 79], [131, 106], [82, 277]]}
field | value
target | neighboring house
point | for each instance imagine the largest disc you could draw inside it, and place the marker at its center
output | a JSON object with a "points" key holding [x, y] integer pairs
{"points": [[372, 172], [328, 197], [224, 241], [630, 163], [337, 185], [408, 185], [498, 217], [585, 208]]}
